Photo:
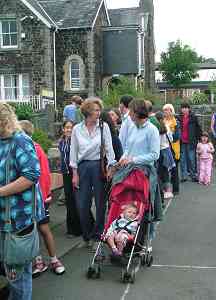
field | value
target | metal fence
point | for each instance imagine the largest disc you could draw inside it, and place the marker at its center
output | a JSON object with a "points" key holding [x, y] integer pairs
{"points": [[205, 121], [37, 102]]}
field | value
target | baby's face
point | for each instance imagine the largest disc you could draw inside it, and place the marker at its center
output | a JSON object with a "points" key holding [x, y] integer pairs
{"points": [[130, 213]]}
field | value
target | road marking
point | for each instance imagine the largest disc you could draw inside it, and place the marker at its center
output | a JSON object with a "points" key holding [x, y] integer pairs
{"points": [[127, 289], [186, 267]]}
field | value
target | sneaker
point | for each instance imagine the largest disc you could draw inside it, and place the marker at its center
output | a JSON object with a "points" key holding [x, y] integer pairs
{"points": [[38, 268], [116, 252], [85, 244], [57, 267], [146, 250], [168, 195]]}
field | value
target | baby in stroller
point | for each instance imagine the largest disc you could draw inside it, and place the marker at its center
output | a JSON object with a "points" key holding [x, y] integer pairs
{"points": [[122, 229]]}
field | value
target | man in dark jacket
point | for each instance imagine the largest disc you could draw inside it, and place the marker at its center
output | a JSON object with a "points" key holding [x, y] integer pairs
{"points": [[190, 134]]}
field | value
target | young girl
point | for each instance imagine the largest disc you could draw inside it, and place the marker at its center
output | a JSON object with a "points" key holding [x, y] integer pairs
{"points": [[39, 266], [166, 161], [205, 159], [122, 229], [72, 217]]}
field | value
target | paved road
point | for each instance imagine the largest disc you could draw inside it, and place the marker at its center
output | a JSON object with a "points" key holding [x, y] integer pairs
{"points": [[184, 259]]}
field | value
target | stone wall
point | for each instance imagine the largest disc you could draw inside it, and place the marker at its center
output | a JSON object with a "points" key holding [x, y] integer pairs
{"points": [[68, 43], [33, 55]]}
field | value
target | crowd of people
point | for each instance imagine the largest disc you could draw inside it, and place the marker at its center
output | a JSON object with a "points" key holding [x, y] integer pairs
{"points": [[91, 136]]}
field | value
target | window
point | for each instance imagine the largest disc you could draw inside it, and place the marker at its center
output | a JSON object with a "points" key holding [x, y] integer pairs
{"points": [[8, 31], [75, 74], [14, 87]]}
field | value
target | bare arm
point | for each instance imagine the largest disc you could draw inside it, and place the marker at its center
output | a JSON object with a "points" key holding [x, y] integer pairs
{"points": [[19, 185]]}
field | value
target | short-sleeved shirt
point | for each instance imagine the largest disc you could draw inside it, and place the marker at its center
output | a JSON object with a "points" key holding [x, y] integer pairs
{"points": [[23, 162]]}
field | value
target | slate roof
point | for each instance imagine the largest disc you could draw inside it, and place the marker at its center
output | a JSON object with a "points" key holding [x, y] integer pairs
{"points": [[71, 13], [37, 7], [124, 16]]}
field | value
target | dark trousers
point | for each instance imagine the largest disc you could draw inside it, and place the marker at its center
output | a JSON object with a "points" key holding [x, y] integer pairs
{"points": [[91, 184], [72, 217], [175, 177]]}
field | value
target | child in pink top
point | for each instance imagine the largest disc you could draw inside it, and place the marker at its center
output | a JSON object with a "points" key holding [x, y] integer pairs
{"points": [[205, 159]]}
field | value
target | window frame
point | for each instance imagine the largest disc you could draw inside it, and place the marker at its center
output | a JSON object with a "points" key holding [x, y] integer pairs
{"points": [[75, 78], [1, 34], [19, 97]]}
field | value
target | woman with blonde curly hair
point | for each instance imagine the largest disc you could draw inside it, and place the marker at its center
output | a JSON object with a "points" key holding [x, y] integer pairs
{"points": [[24, 172], [85, 160], [173, 125]]}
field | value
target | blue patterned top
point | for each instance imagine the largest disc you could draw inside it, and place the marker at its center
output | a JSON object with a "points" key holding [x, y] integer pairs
{"points": [[23, 162]]}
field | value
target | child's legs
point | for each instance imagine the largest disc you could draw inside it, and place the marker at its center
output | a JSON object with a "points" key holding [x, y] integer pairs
{"points": [[121, 239], [208, 171], [202, 166], [111, 240], [48, 238]]}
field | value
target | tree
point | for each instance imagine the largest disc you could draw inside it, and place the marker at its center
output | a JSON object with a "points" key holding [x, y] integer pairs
{"points": [[178, 64]]}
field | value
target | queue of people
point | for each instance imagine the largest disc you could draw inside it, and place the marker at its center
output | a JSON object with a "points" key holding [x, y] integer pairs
{"points": [[90, 138]]}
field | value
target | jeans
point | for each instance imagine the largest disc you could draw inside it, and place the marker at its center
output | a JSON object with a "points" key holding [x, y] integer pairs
{"points": [[91, 184], [188, 160], [21, 288]]}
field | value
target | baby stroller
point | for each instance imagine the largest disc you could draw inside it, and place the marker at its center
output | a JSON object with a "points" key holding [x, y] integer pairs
{"points": [[135, 187]]}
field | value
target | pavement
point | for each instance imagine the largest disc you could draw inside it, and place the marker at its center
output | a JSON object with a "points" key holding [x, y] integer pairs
{"points": [[184, 266]]}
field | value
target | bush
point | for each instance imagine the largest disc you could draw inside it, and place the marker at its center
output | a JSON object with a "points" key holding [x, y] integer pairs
{"points": [[40, 137], [23, 111], [124, 86], [199, 98]]}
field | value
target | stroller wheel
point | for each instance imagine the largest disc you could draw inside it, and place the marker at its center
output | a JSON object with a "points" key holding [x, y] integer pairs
{"points": [[143, 260], [149, 260], [128, 277], [90, 272], [132, 276], [98, 272]]}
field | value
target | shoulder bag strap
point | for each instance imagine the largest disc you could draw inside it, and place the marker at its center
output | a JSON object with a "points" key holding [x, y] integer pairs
{"points": [[7, 199], [102, 140]]}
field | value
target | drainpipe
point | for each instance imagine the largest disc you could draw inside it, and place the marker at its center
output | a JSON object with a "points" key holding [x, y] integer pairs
{"points": [[54, 64]]}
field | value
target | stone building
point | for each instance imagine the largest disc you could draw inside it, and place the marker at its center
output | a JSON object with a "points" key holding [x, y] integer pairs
{"points": [[53, 48]]}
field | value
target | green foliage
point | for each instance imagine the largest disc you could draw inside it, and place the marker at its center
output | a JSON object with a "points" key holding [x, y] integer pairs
{"points": [[40, 137], [123, 86], [212, 86], [23, 111], [178, 64], [199, 98]]}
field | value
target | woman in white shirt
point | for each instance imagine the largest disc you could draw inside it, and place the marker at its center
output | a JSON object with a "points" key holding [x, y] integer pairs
{"points": [[166, 161], [86, 164]]}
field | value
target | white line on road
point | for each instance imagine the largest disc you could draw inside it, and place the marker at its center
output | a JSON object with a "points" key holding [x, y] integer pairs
{"points": [[127, 289], [186, 267]]}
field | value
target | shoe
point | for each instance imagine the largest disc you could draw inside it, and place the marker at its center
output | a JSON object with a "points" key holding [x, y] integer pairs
{"points": [[57, 267], [38, 268], [194, 179], [183, 179], [70, 236], [145, 250], [116, 252], [85, 244], [168, 195]]}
